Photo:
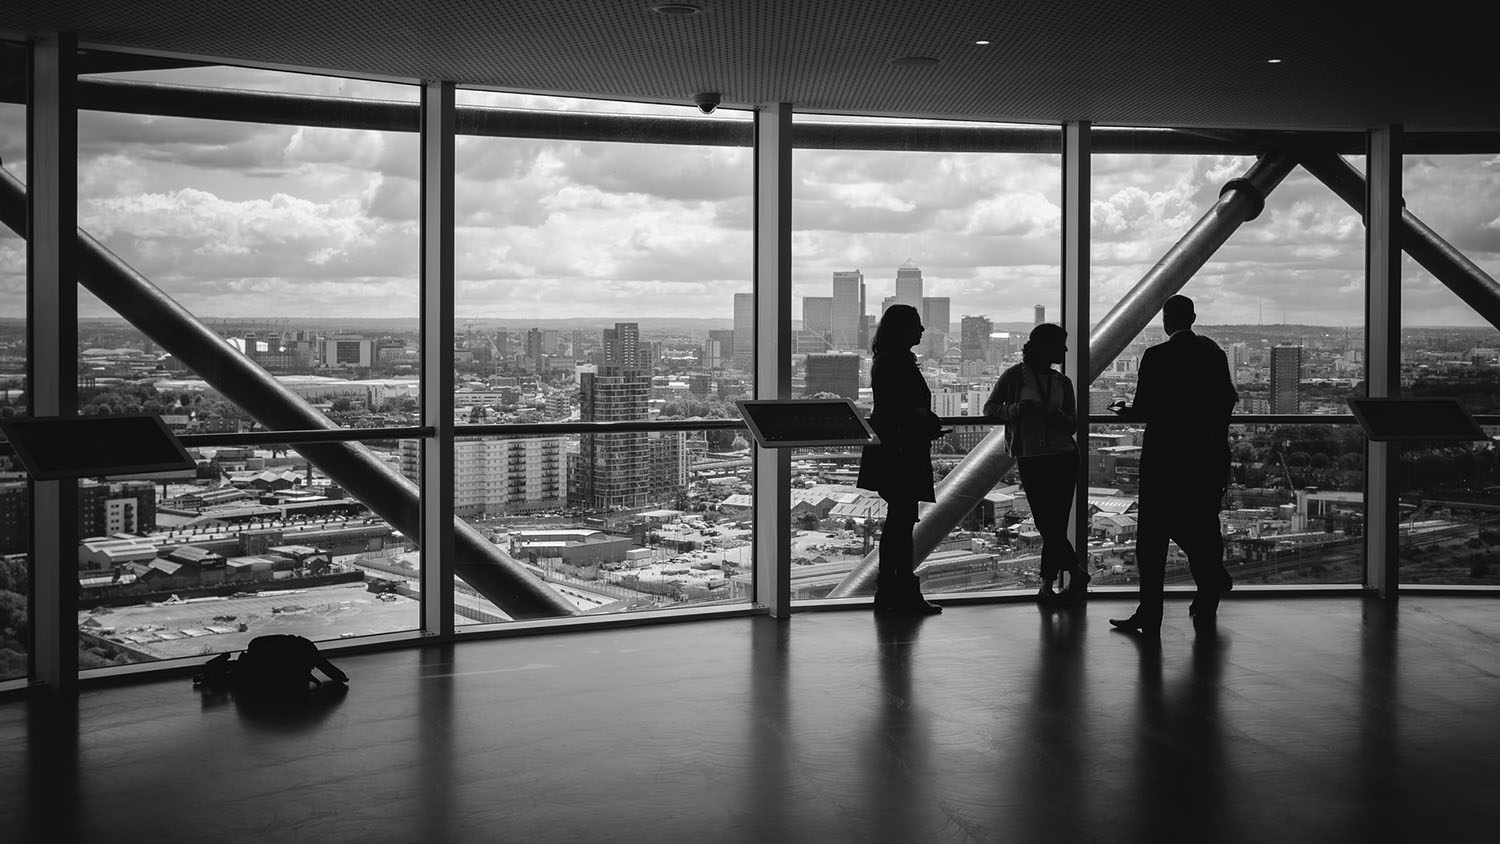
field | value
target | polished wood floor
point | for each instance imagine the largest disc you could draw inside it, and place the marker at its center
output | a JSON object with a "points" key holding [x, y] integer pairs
{"points": [[1304, 719]]}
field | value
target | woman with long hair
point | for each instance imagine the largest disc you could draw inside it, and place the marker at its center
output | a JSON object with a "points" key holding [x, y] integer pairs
{"points": [[900, 467], [1037, 406]]}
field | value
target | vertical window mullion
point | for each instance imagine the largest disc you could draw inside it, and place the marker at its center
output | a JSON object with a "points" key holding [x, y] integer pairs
{"points": [[1383, 351], [773, 351], [437, 357], [52, 347], [1075, 320]]}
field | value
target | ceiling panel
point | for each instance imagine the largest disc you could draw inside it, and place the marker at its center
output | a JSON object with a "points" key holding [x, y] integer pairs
{"points": [[1147, 62]]}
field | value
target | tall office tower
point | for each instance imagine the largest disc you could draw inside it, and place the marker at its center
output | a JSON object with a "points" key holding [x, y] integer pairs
{"points": [[974, 337], [836, 373], [725, 349], [886, 303], [909, 286], [550, 338], [948, 403], [1039, 314], [744, 329], [1286, 379], [848, 310], [936, 313], [612, 466], [502, 343], [817, 313]]}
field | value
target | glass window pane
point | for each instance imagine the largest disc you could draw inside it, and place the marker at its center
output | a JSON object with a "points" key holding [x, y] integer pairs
{"points": [[679, 536], [15, 490], [1450, 492], [972, 241], [297, 245], [559, 243], [257, 541], [1283, 296]]}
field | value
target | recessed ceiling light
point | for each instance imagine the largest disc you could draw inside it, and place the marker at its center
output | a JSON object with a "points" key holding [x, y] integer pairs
{"points": [[982, 43], [914, 61], [1273, 61], [681, 9]]}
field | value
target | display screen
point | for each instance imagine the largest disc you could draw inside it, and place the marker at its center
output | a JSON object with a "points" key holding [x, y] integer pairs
{"points": [[787, 424], [1415, 419], [94, 446]]}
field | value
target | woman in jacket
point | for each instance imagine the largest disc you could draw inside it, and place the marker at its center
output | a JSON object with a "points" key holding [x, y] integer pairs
{"points": [[900, 467], [1037, 406]]}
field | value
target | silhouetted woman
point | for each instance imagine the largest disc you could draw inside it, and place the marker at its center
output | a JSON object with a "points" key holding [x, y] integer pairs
{"points": [[900, 468], [1039, 411]]}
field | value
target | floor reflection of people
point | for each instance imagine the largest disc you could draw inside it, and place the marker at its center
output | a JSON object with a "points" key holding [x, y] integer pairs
{"points": [[1180, 747], [1055, 741], [898, 747]]}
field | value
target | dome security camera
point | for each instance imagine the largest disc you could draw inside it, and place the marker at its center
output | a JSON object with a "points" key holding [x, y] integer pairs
{"points": [[707, 101]]}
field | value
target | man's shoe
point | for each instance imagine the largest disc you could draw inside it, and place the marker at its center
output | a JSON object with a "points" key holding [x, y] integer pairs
{"points": [[1146, 625]]}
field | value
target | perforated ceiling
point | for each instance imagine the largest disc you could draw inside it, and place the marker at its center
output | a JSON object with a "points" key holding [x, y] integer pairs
{"points": [[1141, 62]]}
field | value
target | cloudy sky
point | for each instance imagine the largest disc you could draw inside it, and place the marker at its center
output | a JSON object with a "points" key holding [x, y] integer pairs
{"points": [[249, 220]]}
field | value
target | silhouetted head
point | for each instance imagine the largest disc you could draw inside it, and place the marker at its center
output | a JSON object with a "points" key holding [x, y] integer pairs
{"points": [[1045, 346], [900, 329], [1177, 314]]}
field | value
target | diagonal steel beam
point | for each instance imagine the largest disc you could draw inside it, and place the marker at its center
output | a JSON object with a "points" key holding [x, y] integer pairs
{"points": [[1448, 265], [1240, 201], [493, 573]]}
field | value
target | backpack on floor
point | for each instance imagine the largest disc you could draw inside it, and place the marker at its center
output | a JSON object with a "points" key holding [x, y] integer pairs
{"points": [[276, 665]]}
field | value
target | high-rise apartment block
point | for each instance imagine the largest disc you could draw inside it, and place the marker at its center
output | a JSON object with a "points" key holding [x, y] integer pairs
{"points": [[849, 311], [496, 477], [1286, 379], [610, 469]]}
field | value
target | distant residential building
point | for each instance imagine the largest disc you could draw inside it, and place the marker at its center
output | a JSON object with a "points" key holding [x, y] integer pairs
{"points": [[494, 477], [609, 469], [127, 507], [1038, 314], [947, 403], [1286, 379]]}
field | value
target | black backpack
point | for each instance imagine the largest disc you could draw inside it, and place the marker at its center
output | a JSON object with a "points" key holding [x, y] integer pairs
{"points": [[275, 665]]}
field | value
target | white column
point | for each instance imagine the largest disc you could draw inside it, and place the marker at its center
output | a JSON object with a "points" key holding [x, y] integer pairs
{"points": [[52, 349], [773, 350], [1382, 351], [1075, 317], [437, 358]]}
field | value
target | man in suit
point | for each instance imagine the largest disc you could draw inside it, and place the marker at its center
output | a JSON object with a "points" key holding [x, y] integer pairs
{"points": [[1184, 395]]}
